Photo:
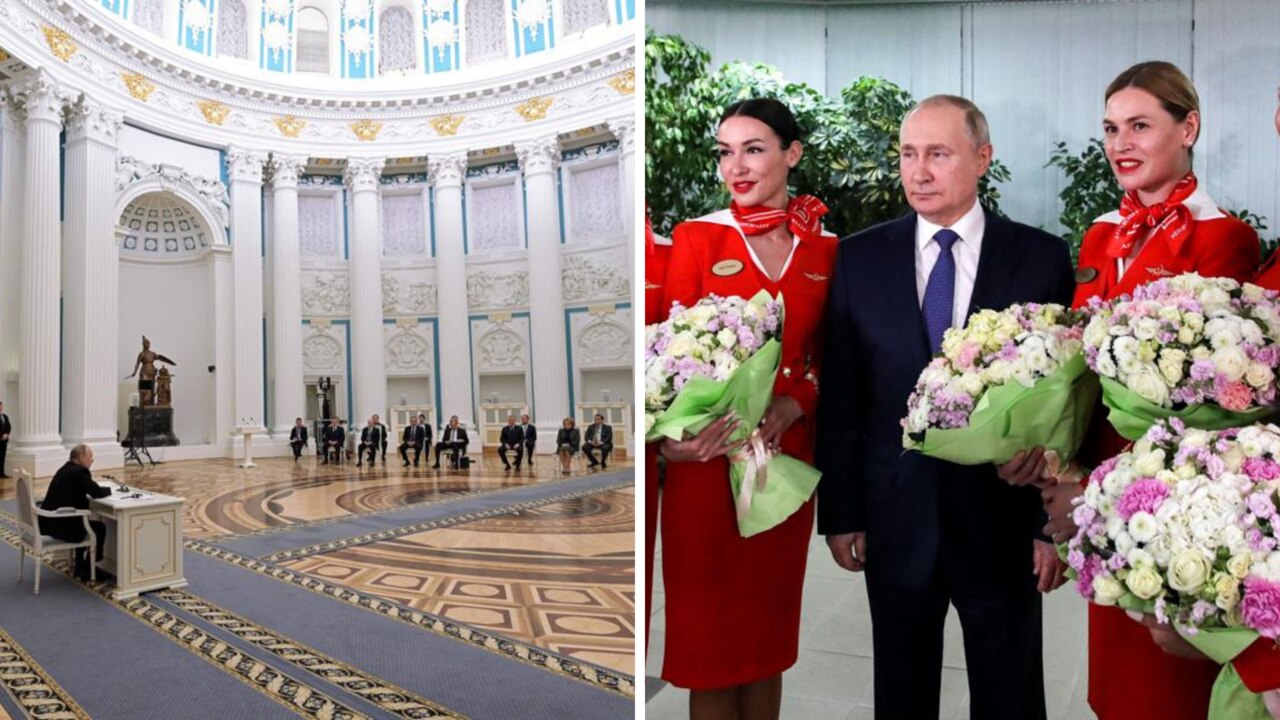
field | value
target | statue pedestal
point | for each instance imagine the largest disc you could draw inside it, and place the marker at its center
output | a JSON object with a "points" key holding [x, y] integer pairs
{"points": [[153, 426]]}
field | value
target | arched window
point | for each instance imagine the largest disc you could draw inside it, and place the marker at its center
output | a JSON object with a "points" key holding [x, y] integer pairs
{"points": [[313, 41], [396, 50], [149, 15], [233, 40], [486, 31], [581, 15]]}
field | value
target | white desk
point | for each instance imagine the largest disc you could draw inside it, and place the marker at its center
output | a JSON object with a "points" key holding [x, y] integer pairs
{"points": [[143, 548]]}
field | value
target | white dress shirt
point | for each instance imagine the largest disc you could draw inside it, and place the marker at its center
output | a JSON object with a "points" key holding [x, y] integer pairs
{"points": [[970, 227]]}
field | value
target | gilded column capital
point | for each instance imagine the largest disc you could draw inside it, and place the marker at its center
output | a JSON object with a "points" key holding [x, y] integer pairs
{"points": [[363, 173], [540, 155], [447, 170]]}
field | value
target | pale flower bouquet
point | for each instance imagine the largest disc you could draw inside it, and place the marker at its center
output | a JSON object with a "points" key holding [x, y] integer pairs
{"points": [[722, 355], [1008, 381], [1201, 349], [1184, 527]]}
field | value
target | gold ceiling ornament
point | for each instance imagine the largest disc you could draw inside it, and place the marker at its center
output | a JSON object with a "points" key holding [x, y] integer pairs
{"points": [[290, 126], [139, 86], [446, 124], [624, 83], [534, 108], [60, 43], [3, 56], [366, 130], [215, 113]]}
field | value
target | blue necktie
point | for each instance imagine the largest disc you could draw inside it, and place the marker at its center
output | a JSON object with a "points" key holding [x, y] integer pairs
{"points": [[940, 293]]}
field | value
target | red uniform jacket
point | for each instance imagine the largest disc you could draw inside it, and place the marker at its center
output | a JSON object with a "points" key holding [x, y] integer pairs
{"points": [[655, 275]]}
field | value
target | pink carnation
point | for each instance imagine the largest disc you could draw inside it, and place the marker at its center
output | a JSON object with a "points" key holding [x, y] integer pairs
{"points": [[1260, 606], [1259, 469], [1235, 396], [968, 354], [1142, 496]]}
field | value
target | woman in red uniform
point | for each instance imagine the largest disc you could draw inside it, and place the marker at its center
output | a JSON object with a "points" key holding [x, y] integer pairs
{"points": [[733, 603], [1269, 276], [1166, 225]]}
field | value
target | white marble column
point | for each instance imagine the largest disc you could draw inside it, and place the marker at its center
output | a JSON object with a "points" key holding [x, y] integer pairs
{"points": [[245, 169], [222, 279], [91, 283], [447, 174], [539, 160], [368, 367], [36, 443], [624, 128], [13, 133], [286, 281]]}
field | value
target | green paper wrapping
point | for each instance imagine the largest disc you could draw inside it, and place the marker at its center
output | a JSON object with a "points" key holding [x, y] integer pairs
{"points": [[1132, 416], [1053, 413], [1230, 700], [747, 393]]}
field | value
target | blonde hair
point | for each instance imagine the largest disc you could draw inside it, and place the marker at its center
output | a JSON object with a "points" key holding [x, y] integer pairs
{"points": [[1166, 82]]}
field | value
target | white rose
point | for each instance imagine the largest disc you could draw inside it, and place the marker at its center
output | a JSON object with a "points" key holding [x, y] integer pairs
{"points": [[1239, 564], [1106, 590], [1201, 352], [1146, 328], [1139, 557], [1124, 543], [1195, 438], [1149, 385], [1149, 464], [1258, 375], [1195, 321], [1252, 292], [972, 384], [1228, 590], [1172, 361], [1233, 458], [682, 344], [1231, 361], [727, 338], [1144, 582], [1186, 335], [1143, 526]]}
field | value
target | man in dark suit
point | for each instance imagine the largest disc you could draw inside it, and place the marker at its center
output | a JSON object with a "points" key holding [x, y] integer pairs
{"points": [[71, 487], [930, 533], [453, 440], [599, 439], [298, 438], [512, 438], [530, 438], [377, 421], [415, 438], [426, 431], [335, 440], [370, 441], [5, 429]]}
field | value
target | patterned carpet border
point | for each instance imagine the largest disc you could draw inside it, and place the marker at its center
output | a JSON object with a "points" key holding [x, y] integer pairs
{"points": [[384, 695], [598, 677], [280, 688], [38, 694], [391, 533], [229, 538]]}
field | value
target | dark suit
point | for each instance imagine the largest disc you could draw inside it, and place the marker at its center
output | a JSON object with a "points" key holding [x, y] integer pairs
{"points": [[298, 440], [71, 487], [604, 435], [512, 438], [5, 429], [937, 533], [335, 439], [568, 439], [530, 439], [416, 437], [371, 439], [454, 441]]}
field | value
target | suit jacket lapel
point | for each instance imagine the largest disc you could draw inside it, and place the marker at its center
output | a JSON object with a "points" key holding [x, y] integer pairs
{"points": [[996, 266]]}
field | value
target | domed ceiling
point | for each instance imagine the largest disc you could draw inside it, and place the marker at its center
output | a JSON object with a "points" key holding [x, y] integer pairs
{"points": [[159, 225]]}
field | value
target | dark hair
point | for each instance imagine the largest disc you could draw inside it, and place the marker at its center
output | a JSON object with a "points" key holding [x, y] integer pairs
{"points": [[770, 112], [1169, 85]]}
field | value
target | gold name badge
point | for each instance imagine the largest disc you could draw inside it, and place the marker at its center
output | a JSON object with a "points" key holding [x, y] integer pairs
{"points": [[725, 268], [1086, 274]]}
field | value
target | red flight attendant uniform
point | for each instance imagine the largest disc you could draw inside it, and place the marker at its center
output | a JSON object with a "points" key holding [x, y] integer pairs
{"points": [[658, 252], [733, 603], [1130, 677]]}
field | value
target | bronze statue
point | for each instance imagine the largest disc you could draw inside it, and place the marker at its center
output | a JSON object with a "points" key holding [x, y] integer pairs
{"points": [[147, 380], [164, 390]]}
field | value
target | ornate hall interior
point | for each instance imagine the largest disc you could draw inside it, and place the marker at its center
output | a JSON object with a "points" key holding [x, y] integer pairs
{"points": [[221, 220]]}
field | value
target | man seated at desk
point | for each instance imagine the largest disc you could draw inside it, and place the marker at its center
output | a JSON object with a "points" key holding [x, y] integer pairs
{"points": [[72, 486]]}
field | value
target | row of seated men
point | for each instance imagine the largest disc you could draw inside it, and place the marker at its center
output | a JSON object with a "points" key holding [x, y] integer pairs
{"points": [[416, 437]]}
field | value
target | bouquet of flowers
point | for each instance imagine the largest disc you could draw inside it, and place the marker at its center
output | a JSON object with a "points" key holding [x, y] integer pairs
{"points": [[1200, 349], [1008, 381], [718, 356], [1185, 527]]}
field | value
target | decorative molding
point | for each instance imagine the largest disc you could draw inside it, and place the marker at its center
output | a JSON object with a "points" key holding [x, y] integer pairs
{"points": [[501, 348], [624, 82], [497, 289], [130, 170], [60, 43], [407, 350], [539, 155], [139, 86], [366, 130], [534, 108], [321, 352], [245, 165], [285, 169], [40, 98], [589, 152], [362, 173], [446, 125], [604, 342], [215, 113], [290, 126], [624, 128], [585, 278], [418, 298], [326, 293], [447, 170]]}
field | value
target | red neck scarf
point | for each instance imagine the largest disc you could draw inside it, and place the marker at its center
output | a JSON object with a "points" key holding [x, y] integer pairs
{"points": [[803, 217], [1170, 218]]}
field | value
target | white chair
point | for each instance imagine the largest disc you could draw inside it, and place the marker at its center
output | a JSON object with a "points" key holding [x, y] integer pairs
{"points": [[36, 544]]}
